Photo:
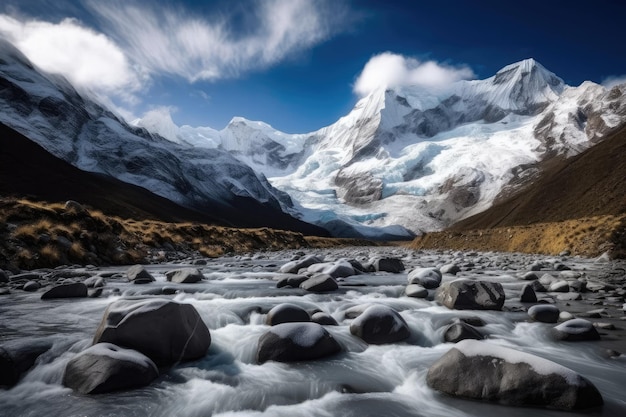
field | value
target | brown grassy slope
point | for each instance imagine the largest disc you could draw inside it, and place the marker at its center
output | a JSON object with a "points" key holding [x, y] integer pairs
{"points": [[28, 170], [578, 204], [592, 183]]}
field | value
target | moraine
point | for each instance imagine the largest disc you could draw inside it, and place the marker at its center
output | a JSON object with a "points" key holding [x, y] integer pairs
{"points": [[362, 379]]}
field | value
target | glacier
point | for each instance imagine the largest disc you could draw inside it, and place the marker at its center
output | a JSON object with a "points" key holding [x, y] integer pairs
{"points": [[410, 159]]}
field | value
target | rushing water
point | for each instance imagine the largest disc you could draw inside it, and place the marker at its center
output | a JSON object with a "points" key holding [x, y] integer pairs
{"points": [[386, 380]]}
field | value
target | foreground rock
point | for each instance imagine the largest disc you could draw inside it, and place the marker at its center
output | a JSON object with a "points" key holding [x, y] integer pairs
{"points": [[575, 330], [426, 277], [320, 283], [165, 331], [105, 367], [482, 371], [380, 324], [291, 342], [18, 356], [463, 294]]}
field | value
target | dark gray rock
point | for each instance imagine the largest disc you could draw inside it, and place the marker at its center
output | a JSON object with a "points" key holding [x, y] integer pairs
{"points": [[482, 371], [380, 324], [451, 269], [576, 330], [545, 313], [31, 286], [528, 294], [184, 276], [286, 313], [70, 290], [4, 277], [416, 291], [165, 331], [428, 278], [456, 332], [291, 342], [293, 267], [338, 269], [18, 356], [538, 286], [293, 282], [530, 276], [4, 291], [559, 286], [105, 367], [320, 283], [324, 319], [137, 274], [463, 294], [392, 265], [94, 282]]}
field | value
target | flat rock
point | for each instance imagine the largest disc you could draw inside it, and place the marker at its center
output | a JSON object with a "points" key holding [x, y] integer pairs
{"points": [[70, 290], [576, 330], [483, 371], [463, 294], [380, 324], [165, 331], [292, 342], [416, 291], [105, 367]]}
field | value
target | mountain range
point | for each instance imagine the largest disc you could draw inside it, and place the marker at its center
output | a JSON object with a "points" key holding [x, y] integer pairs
{"points": [[405, 160]]}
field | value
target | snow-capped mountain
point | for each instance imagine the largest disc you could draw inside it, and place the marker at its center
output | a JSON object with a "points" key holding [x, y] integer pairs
{"points": [[48, 110], [421, 159]]}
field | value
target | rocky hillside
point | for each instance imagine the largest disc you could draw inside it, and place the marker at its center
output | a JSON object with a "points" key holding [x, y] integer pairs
{"points": [[576, 204]]}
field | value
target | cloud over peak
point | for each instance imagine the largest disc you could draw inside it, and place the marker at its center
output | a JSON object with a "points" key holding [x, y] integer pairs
{"points": [[392, 70]]}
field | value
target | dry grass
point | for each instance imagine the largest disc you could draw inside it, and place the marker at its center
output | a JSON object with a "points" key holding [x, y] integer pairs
{"points": [[589, 236]]}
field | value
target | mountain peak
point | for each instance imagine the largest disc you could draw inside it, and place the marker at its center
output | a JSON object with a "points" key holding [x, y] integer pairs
{"points": [[531, 73]]}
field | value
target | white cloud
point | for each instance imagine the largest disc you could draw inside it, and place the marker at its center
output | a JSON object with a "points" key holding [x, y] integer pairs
{"points": [[167, 40], [87, 58], [614, 80], [392, 70]]}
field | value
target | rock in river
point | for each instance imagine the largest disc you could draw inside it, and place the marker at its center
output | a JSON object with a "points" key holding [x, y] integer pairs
{"points": [[575, 330], [165, 331], [70, 290], [426, 277], [463, 294], [380, 324], [105, 367], [291, 342], [184, 276], [483, 371], [286, 313]]}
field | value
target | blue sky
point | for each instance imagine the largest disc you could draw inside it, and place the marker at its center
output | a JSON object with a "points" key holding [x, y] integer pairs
{"points": [[299, 65]]}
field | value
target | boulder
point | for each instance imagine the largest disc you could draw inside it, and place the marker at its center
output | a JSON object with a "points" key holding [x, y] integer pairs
{"points": [[483, 371], [460, 331], [286, 313], [31, 286], [165, 331], [463, 294], [324, 319], [293, 267], [451, 269], [292, 281], [393, 265], [320, 283], [545, 313], [69, 290], [184, 276], [576, 330], [416, 291], [380, 324], [4, 277], [137, 274], [18, 356], [530, 276], [528, 294], [105, 367], [291, 342], [339, 269], [426, 277], [559, 286]]}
